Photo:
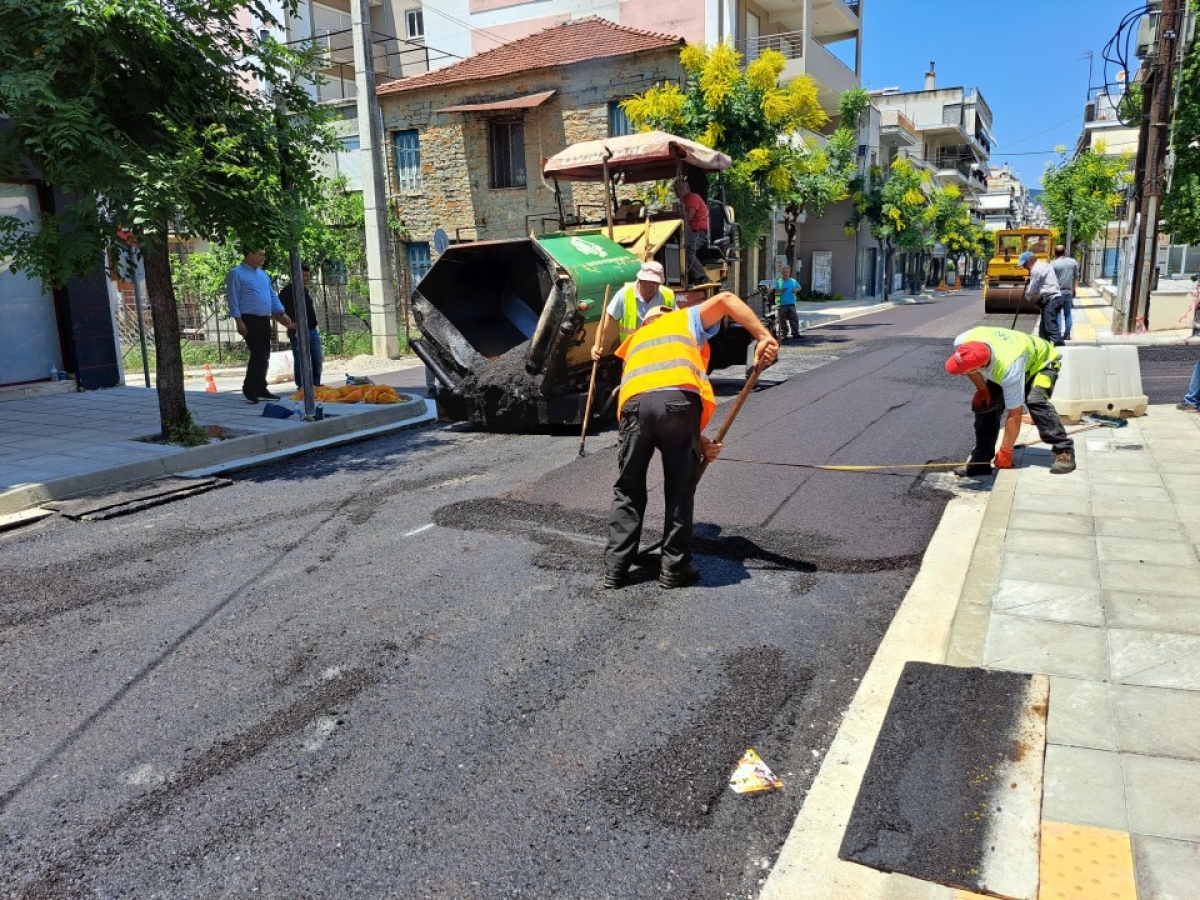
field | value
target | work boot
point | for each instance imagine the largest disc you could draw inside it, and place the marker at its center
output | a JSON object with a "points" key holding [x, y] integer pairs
{"points": [[1064, 462], [974, 470], [615, 578], [678, 578]]}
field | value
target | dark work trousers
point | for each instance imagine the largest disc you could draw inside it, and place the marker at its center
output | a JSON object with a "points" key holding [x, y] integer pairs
{"points": [[667, 421], [1048, 329], [258, 341], [989, 421]]}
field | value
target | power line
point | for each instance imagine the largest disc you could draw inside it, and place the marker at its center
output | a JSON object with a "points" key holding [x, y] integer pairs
{"points": [[1040, 133], [495, 37]]}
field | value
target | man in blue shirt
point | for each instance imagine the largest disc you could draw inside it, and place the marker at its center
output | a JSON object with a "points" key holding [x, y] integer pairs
{"points": [[785, 297], [253, 303]]}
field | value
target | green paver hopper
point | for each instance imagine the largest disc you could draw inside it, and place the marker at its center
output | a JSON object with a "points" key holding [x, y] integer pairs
{"points": [[507, 327]]}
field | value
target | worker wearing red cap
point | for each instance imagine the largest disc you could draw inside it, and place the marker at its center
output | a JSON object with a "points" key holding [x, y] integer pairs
{"points": [[1010, 369]]}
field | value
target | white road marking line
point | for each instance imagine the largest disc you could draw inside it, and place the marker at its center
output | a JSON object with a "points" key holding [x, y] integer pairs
{"points": [[419, 530]]}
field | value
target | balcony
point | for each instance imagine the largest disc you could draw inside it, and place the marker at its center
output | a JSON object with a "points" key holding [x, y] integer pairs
{"points": [[835, 20], [960, 173], [790, 44], [895, 130]]}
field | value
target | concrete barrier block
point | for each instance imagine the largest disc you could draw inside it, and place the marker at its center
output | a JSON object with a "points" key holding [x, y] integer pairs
{"points": [[1170, 311], [1103, 379]]}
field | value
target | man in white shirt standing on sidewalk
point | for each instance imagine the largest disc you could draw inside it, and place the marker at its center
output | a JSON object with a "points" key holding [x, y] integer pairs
{"points": [[253, 303]]}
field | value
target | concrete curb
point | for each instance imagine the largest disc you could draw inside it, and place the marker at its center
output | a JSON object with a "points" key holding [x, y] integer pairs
{"points": [[808, 867], [239, 452]]}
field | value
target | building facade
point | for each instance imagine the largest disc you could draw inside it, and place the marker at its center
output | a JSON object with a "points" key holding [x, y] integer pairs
{"points": [[67, 331], [817, 38], [466, 142]]}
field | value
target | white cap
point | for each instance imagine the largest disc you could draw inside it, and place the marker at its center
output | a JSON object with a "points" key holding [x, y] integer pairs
{"points": [[651, 271]]}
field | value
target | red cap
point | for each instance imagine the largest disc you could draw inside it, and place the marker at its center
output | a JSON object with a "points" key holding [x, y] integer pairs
{"points": [[968, 356]]}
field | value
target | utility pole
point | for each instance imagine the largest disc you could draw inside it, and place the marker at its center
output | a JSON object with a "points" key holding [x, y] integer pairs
{"points": [[299, 292], [384, 339], [1153, 179]]}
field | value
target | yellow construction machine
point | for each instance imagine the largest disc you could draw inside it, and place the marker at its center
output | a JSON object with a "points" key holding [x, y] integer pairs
{"points": [[1004, 287]]}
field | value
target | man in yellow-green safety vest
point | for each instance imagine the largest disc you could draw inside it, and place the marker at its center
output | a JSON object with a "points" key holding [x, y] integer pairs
{"points": [[629, 307], [1010, 369]]}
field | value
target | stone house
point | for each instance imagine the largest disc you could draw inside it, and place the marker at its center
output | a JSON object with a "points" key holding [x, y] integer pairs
{"points": [[466, 142]]}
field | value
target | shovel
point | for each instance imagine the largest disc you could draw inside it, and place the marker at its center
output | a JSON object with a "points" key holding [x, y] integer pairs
{"points": [[587, 412]]}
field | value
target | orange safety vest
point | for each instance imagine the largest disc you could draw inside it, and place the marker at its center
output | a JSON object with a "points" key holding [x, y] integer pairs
{"points": [[662, 355]]}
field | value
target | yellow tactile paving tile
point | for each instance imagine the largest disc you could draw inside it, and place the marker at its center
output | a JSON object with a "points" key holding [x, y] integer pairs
{"points": [[1084, 863], [1079, 862]]}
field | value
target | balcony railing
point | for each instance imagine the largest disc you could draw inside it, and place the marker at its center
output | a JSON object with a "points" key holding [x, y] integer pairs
{"points": [[788, 43], [893, 118]]}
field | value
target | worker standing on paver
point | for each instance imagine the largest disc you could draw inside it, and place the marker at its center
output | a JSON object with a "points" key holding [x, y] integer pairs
{"points": [[630, 305], [664, 403], [1010, 369], [1043, 289]]}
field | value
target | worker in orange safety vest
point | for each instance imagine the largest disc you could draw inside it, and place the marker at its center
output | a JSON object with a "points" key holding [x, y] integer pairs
{"points": [[664, 403]]}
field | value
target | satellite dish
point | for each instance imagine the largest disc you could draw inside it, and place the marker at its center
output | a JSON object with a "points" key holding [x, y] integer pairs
{"points": [[441, 241]]}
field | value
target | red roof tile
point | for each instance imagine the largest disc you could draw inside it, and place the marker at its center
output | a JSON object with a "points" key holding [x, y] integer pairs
{"points": [[571, 42]]}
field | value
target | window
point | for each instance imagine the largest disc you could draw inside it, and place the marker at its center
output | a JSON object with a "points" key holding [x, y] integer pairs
{"points": [[408, 161], [418, 262], [508, 154], [349, 162], [618, 121], [414, 24]]}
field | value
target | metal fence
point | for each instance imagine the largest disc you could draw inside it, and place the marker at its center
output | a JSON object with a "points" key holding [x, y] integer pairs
{"points": [[209, 334]]}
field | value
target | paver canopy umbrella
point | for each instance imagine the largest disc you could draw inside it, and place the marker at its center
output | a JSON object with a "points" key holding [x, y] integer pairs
{"points": [[648, 156]]}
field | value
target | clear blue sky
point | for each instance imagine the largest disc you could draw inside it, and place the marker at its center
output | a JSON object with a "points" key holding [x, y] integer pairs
{"points": [[1027, 58]]}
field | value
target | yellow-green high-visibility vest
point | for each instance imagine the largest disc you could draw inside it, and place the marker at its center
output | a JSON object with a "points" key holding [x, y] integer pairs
{"points": [[629, 297], [1007, 346]]}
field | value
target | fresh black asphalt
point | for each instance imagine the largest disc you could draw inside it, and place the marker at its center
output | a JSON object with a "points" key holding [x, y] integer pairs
{"points": [[389, 669]]}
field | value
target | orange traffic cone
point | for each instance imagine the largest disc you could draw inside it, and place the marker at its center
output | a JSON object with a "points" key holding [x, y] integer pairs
{"points": [[210, 385]]}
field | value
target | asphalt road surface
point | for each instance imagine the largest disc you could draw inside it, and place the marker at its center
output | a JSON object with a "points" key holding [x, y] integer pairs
{"points": [[389, 670]]}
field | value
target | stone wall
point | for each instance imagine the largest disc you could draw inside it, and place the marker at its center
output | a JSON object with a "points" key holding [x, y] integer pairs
{"points": [[456, 194]]}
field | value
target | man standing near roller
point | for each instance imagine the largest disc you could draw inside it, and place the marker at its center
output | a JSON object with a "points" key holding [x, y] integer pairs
{"points": [[1043, 289], [1066, 270], [1010, 369]]}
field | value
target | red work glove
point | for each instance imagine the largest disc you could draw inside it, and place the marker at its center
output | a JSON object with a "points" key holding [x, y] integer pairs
{"points": [[981, 399], [1003, 459]]}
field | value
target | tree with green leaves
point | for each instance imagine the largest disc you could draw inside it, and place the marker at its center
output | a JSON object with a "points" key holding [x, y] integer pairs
{"points": [[954, 228], [755, 120], [1181, 205], [826, 175], [898, 209], [1089, 185], [142, 112]]}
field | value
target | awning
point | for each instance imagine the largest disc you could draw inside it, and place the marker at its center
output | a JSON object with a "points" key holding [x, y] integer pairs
{"points": [[527, 102]]}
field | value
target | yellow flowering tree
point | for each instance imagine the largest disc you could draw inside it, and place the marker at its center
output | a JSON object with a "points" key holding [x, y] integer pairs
{"points": [[899, 210], [748, 115]]}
